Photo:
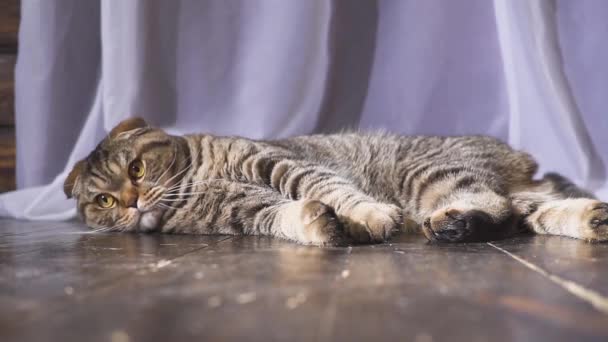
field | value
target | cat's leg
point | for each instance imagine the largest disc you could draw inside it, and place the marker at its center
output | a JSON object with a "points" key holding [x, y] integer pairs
{"points": [[365, 219], [237, 208], [305, 221], [555, 206]]}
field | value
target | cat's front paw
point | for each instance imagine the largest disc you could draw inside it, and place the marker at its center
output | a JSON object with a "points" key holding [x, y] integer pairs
{"points": [[595, 222], [321, 225], [372, 222]]}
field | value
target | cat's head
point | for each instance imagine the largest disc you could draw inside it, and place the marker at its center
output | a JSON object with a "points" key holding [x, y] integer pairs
{"points": [[122, 184]]}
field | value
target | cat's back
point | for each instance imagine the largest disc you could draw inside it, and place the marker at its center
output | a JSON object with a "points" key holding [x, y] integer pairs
{"points": [[383, 147], [387, 158]]}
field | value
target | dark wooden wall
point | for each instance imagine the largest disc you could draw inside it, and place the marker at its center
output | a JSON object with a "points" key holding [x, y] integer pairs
{"points": [[9, 27]]}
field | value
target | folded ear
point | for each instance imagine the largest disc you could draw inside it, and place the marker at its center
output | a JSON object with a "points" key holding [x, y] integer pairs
{"points": [[127, 125], [70, 186]]}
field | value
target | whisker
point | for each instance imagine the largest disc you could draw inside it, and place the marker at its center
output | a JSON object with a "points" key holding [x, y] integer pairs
{"points": [[175, 199], [78, 233], [177, 187], [100, 230], [183, 194], [160, 202], [122, 227], [168, 168], [164, 205], [176, 190], [180, 172]]}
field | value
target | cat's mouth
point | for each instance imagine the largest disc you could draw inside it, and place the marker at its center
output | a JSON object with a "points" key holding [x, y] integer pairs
{"points": [[149, 220]]}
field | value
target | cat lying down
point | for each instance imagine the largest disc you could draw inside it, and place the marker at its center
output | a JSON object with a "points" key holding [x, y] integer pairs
{"points": [[325, 189]]}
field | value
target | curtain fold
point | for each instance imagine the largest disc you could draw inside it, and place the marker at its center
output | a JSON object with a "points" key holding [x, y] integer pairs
{"points": [[540, 95], [55, 80], [532, 73]]}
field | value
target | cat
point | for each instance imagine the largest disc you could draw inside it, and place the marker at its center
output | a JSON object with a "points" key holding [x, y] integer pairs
{"points": [[331, 189]]}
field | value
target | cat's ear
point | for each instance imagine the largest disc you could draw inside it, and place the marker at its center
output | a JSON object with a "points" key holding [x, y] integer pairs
{"points": [[70, 186], [127, 125]]}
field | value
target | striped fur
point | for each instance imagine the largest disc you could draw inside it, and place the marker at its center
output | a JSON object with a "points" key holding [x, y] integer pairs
{"points": [[327, 189]]}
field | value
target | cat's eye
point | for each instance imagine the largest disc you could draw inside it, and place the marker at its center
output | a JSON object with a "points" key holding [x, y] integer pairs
{"points": [[105, 200], [137, 169]]}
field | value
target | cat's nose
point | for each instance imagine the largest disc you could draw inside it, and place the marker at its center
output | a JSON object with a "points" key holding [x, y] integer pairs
{"points": [[132, 204], [129, 199]]}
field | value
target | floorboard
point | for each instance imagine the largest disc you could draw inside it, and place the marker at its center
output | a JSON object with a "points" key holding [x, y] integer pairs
{"points": [[565, 257], [58, 282]]}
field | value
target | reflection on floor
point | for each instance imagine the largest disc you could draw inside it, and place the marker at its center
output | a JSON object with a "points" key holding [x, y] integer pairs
{"points": [[58, 283]]}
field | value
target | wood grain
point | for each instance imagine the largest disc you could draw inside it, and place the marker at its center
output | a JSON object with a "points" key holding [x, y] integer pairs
{"points": [[104, 287], [7, 129], [7, 159], [562, 256], [9, 25], [7, 91]]}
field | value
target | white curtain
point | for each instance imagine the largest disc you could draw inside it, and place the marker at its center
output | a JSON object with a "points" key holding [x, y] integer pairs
{"points": [[531, 72]]}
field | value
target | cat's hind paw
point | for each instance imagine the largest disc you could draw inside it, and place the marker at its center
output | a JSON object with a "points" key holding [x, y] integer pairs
{"points": [[453, 225], [595, 223]]}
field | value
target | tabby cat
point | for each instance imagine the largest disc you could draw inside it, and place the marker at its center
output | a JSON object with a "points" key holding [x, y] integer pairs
{"points": [[325, 189]]}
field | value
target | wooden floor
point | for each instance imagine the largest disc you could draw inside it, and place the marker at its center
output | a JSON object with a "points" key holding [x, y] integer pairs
{"points": [[58, 283]]}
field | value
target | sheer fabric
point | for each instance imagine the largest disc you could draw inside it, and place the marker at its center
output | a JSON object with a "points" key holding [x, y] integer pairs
{"points": [[532, 73]]}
